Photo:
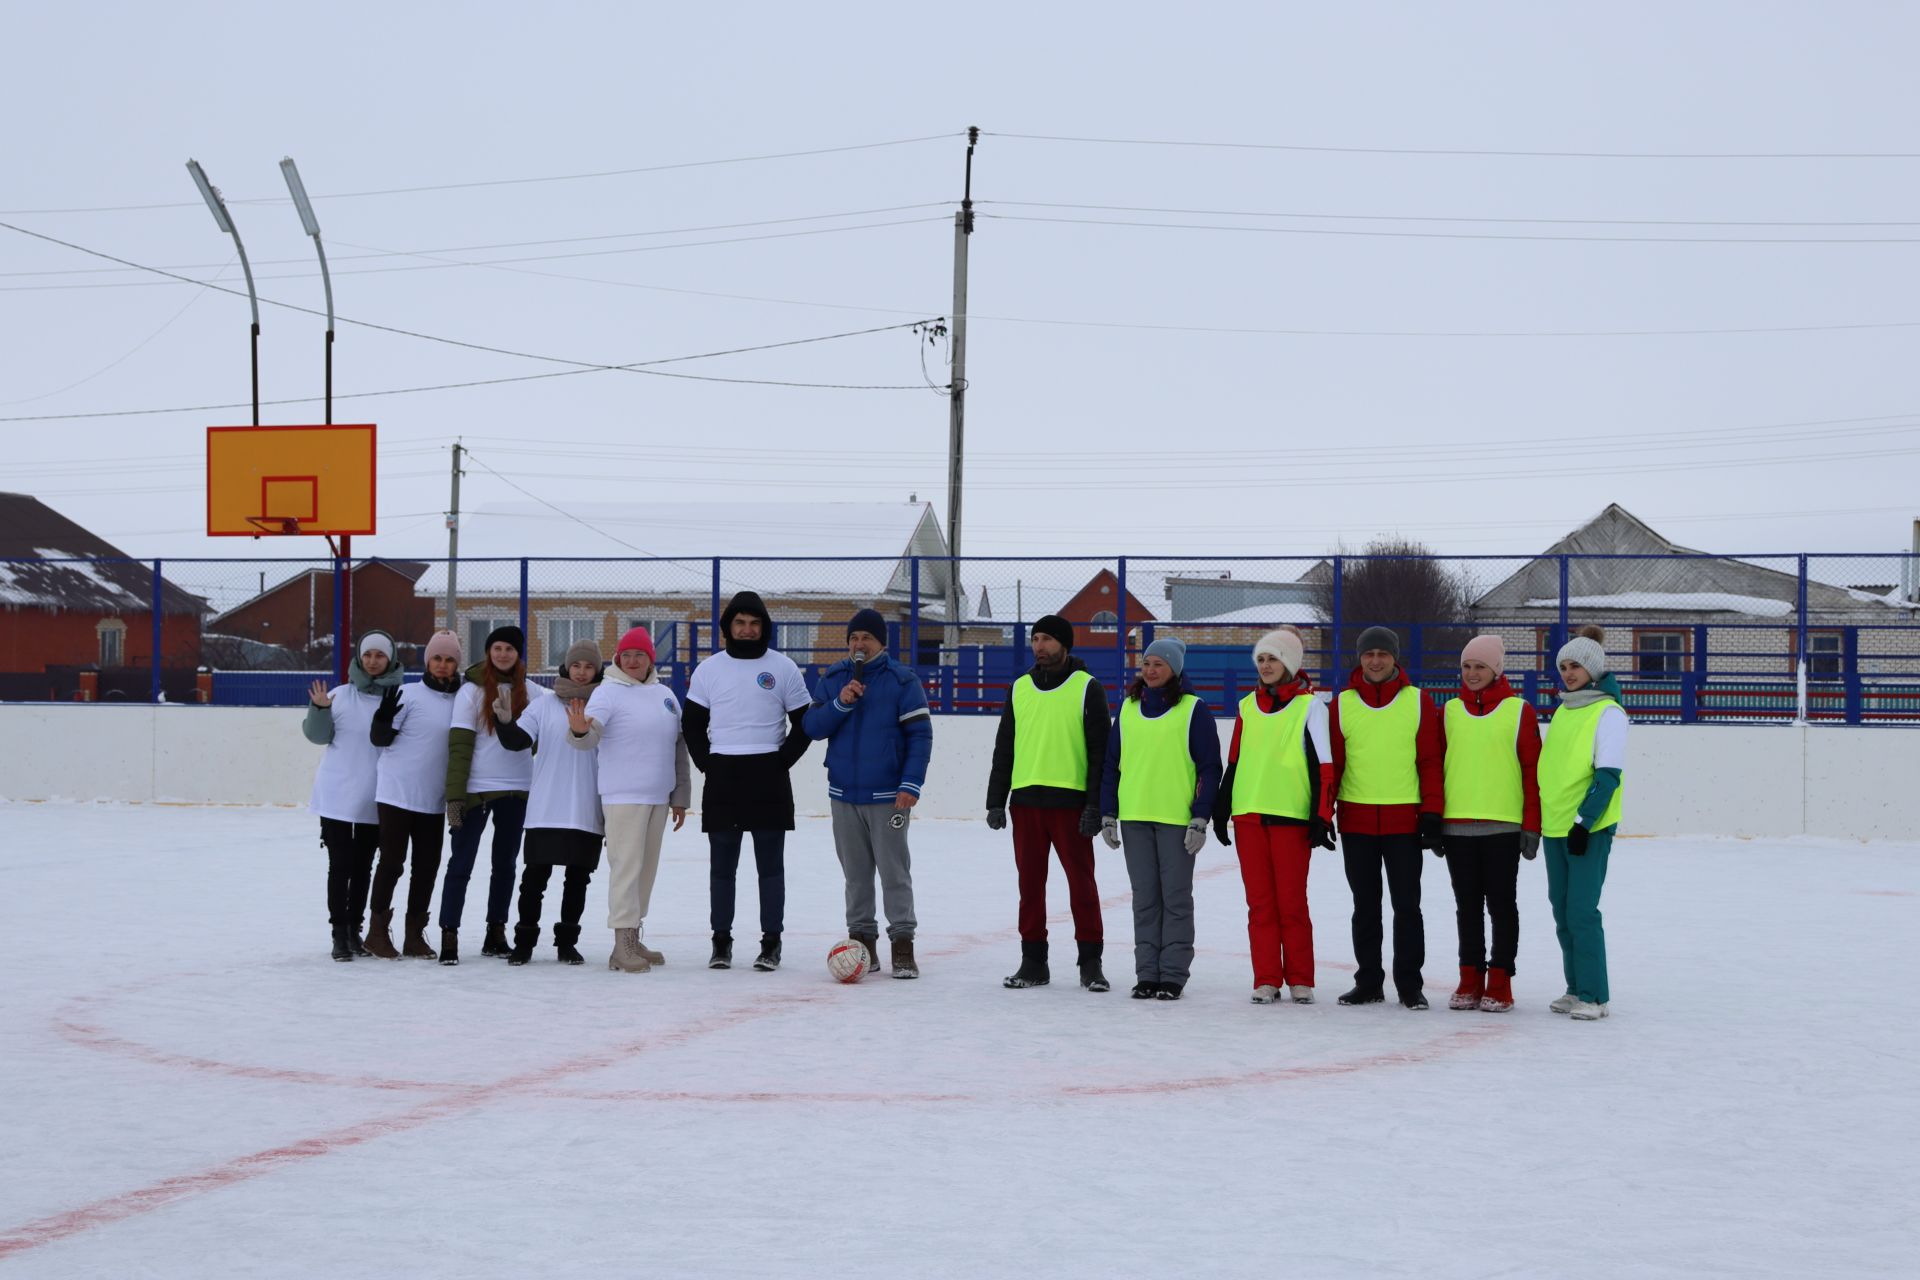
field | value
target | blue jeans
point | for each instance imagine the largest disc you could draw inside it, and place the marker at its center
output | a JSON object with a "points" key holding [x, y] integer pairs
{"points": [[509, 814], [769, 859]]}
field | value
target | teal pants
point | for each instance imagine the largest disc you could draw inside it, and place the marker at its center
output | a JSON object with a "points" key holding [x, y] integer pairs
{"points": [[1573, 887]]}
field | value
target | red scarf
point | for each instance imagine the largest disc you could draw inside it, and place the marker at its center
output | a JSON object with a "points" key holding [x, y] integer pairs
{"points": [[1481, 701], [1281, 694]]}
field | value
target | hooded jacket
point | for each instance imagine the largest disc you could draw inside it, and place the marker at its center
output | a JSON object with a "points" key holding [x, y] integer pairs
{"points": [[879, 746], [1430, 756], [1097, 722], [1203, 744]]}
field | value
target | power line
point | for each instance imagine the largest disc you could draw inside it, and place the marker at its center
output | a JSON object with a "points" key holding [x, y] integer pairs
{"points": [[1462, 151], [1420, 217], [1456, 235], [508, 182]]}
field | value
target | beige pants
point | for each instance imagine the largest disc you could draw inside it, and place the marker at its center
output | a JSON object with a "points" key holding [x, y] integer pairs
{"points": [[634, 832]]}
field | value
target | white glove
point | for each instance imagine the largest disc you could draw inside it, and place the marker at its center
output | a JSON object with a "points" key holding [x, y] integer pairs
{"points": [[1196, 837], [1110, 832]]}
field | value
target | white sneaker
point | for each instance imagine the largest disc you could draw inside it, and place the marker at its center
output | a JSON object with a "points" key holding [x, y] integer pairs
{"points": [[1565, 1003], [1302, 995], [1587, 1011], [1265, 994]]}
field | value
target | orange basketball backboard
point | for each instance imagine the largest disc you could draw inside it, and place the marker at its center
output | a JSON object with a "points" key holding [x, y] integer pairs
{"points": [[269, 481]]}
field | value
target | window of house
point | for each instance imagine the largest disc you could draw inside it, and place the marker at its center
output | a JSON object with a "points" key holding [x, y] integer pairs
{"points": [[1661, 655], [565, 632], [665, 633], [113, 642], [797, 638], [1825, 654], [1105, 622], [479, 628]]}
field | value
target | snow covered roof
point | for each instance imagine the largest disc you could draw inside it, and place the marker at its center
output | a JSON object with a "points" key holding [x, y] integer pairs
{"points": [[1682, 601], [49, 562], [1258, 615], [673, 546]]}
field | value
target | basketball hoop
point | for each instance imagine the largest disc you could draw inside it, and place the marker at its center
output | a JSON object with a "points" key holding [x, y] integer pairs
{"points": [[274, 526]]}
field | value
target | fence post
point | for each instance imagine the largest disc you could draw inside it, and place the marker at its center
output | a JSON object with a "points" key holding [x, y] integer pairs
{"points": [[913, 612], [717, 640], [524, 637], [1417, 651], [1339, 616], [1120, 612], [154, 692], [1561, 631], [1850, 663], [1800, 647]]}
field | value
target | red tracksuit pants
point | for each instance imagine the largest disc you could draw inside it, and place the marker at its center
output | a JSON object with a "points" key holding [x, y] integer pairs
{"points": [[1035, 831], [1273, 866]]}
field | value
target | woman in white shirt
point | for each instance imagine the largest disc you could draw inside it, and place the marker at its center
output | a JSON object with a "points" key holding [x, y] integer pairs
{"points": [[410, 728], [341, 719], [485, 780]]}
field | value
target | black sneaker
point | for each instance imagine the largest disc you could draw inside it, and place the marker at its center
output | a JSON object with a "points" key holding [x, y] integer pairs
{"points": [[1364, 996], [1168, 991], [1413, 1001], [1145, 990], [769, 958], [722, 957]]}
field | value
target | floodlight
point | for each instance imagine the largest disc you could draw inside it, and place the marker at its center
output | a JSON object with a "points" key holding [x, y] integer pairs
{"points": [[211, 194], [298, 190]]}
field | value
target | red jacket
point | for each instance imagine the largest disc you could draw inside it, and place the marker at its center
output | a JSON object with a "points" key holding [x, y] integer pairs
{"points": [[1430, 753], [1272, 700], [1528, 745]]}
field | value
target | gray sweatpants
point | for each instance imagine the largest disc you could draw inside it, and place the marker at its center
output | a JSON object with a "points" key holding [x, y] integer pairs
{"points": [[870, 837], [1161, 870]]}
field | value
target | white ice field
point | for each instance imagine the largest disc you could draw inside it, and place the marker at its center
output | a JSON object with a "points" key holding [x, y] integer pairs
{"points": [[189, 1086]]}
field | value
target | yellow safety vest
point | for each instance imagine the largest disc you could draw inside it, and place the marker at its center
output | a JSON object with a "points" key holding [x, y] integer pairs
{"points": [[1271, 775], [1483, 763], [1382, 749], [1158, 776], [1050, 734], [1566, 769]]}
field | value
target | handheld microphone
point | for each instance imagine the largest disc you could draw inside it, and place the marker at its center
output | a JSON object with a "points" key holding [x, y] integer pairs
{"points": [[859, 667]]}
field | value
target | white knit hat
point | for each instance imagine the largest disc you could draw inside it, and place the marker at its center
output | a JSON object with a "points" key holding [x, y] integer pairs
{"points": [[1587, 653], [1284, 645]]}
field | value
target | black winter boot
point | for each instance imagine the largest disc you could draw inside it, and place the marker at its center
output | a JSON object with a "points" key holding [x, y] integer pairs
{"points": [[1367, 995], [769, 958], [449, 946], [872, 943], [722, 957], [495, 943], [355, 944], [1090, 975], [904, 965], [564, 936], [1033, 967], [342, 945], [525, 938]]}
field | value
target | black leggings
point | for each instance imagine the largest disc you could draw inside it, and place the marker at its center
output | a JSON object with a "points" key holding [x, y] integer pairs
{"points": [[350, 848], [426, 833], [1486, 873]]}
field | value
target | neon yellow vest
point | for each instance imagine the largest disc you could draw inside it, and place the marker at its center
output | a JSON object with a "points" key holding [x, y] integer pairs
{"points": [[1382, 749], [1566, 769], [1158, 777], [1049, 733], [1483, 763], [1271, 776]]}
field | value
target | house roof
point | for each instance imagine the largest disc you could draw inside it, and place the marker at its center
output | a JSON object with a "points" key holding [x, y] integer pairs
{"points": [[33, 536], [855, 549], [409, 569]]}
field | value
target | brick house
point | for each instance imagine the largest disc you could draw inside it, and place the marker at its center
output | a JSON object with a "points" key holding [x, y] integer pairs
{"points": [[296, 614]]}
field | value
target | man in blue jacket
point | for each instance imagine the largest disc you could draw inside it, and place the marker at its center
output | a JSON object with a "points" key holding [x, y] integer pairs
{"points": [[879, 735]]}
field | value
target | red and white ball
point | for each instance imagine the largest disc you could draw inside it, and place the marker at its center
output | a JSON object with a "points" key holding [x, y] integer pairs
{"points": [[848, 961]]}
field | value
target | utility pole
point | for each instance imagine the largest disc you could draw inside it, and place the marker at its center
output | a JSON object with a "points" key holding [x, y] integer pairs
{"points": [[453, 545], [957, 400]]}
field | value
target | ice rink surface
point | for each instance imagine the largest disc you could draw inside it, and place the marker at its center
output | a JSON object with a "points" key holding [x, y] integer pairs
{"points": [[190, 1087]]}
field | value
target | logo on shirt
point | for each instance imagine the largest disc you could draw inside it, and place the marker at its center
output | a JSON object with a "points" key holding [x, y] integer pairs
{"points": [[765, 680], [667, 704]]}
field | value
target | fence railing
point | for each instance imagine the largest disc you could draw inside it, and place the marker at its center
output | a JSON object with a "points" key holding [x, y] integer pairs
{"points": [[1693, 638]]}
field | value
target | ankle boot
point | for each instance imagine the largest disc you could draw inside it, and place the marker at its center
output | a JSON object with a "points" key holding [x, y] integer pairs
{"points": [[1090, 975], [495, 943], [769, 958], [564, 936], [627, 956], [871, 941], [378, 940], [525, 938], [1472, 985], [1498, 997], [722, 957], [416, 945], [449, 946], [1033, 967], [654, 958], [342, 944], [356, 944], [904, 965]]}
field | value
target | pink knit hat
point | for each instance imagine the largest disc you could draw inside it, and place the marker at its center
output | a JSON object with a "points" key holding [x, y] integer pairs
{"points": [[1489, 649], [444, 644], [637, 638]]}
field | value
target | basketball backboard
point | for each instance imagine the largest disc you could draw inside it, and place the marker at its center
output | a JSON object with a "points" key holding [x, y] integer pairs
{"points": [[274, 481]]}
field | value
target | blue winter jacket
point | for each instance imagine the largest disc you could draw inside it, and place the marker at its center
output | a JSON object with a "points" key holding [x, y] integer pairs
{"points": [[880, 745], [1203, 743]]}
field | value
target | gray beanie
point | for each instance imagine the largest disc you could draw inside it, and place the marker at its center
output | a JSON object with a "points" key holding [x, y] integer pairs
{"points": [[1170, 651], [1587, 653], [1377, 638]]}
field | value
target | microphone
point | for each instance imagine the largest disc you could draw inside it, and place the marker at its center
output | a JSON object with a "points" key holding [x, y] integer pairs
{"points": [[859, 667]]}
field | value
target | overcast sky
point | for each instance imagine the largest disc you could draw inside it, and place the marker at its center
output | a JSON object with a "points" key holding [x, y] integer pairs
{"points": [[1119, 401]]}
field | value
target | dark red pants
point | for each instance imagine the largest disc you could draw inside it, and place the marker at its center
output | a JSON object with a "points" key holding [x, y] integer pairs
{"points": [[1035, 830], [1273, 866]]}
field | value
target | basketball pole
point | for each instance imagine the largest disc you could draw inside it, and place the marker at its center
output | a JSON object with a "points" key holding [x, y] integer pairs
{"points": [[344, 588]]}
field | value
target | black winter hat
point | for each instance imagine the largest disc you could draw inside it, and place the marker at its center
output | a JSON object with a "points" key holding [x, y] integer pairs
{"points": [[512, 635], [749, 603], [1377, 638], [869, 621], [1056, 626]]}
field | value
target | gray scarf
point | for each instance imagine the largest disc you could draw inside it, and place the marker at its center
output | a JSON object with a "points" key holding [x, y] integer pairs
{"points": [[1585, 696], [566, 690]]}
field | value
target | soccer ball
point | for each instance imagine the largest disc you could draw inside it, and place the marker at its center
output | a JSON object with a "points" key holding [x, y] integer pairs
{"points": [[848, 961]]}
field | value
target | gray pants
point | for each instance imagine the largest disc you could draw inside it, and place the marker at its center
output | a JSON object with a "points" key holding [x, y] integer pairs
{"points": [[1161, 870], [870, 837]]}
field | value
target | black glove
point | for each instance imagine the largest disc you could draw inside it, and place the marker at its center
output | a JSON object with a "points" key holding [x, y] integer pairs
{"points": [[389, 706], [996, 819], [1222, 833], [1430, 833], [1529, 845], [1319, 833], [1090, 821], [1577, 839]]}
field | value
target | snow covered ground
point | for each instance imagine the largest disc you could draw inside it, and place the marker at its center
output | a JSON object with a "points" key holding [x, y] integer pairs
{"points": [[190, 1087]]}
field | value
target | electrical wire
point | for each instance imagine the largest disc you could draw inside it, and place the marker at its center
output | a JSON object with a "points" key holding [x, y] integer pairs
{"points": [[1456, 235], [1416, 217], [1461, 151]]}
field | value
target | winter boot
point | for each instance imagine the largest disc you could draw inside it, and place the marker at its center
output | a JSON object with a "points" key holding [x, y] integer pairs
{"points": [[356, 944], [495, 943], [1090, 975], [1498, 997], [1565, 1003], [769, 958], [1301, 994], [416, 947], [1145, 990], [871, 941], [449, 946], [342, 945], [654, 958], [1367, 995], [1265, 993], [627, 956], [525, 938], [1169, 991], [379, 942], [1414, 1000], [564, 936], [1588, 1011], [904, 965], [722, 957], [1033, 967], [1472, 986]]}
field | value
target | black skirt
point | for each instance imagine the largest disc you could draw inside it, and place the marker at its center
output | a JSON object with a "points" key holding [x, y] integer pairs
{"points": [[562, 847], [747, 793]]}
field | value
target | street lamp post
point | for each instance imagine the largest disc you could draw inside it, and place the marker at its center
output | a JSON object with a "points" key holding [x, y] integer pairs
{"points": [[224, 220]]}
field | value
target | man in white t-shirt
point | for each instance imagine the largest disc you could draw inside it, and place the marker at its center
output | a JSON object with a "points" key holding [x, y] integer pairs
{"points": [[742, 724]]}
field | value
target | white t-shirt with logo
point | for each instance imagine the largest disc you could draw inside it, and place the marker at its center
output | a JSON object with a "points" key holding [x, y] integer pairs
{"points": [[566, 787], [750, 700], [343, 785], [494, 767], [413, 771]]}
